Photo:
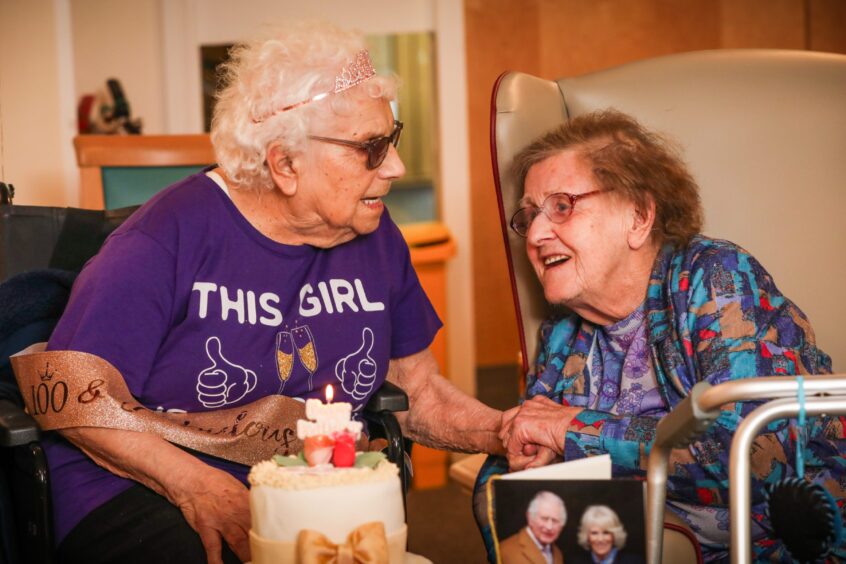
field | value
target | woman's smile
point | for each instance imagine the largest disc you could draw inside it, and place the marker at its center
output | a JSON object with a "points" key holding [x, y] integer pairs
{"points": [[373, 203], [555, 260]]}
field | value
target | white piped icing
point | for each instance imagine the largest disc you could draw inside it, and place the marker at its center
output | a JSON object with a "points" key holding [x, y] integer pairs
{"points": [[268, 473]]}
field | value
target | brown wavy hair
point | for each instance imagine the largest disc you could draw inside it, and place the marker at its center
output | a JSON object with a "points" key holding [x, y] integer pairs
{"points": [[638, 164]]}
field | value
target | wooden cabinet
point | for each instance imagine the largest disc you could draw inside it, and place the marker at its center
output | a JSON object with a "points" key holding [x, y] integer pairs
{"points": [[431, 247]]}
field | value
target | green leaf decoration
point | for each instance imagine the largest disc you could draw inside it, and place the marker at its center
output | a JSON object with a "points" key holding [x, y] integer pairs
{"points": [[288, 460], [369, 459]]}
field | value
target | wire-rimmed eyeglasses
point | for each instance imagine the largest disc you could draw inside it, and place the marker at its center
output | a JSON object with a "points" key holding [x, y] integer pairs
{"points": [[376, 148], [557, 207]]}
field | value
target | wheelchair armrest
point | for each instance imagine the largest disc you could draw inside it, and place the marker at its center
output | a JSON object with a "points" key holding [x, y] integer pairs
{"points": [[387, 398], [380, 411], [16, 426]]}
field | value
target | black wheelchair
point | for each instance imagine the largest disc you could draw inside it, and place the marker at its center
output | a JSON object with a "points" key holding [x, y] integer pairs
{"points": [[41, 251]]}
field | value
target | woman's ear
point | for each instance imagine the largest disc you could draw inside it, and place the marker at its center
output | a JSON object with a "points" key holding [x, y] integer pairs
{"points": [[282, 169], [643, 218]]}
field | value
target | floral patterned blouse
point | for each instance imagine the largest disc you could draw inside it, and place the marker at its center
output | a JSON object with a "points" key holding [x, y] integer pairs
{"points": [[711, 313]]}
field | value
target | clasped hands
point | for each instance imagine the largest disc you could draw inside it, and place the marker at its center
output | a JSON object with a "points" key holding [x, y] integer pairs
{"points": [[533, 434]]}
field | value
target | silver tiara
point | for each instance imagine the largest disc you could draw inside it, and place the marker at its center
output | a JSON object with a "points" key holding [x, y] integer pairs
{"points": [[359, 69]]}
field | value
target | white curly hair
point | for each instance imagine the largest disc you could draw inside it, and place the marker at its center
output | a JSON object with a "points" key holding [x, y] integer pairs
{"points": [[286, 66]]}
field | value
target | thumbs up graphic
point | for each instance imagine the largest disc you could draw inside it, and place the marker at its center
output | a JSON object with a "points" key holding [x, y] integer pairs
{"points": [[223, 382], [357, 371]]}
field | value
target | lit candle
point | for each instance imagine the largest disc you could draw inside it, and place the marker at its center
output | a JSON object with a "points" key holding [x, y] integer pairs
{"points": [[329, 431], [328, 418]]}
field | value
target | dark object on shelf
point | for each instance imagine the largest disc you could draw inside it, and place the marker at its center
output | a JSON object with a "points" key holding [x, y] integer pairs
{"points": [[805, 517], [7, 193], [106, 112]]}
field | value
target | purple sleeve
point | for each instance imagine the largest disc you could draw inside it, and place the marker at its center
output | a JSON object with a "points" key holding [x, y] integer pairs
{"points": [[414, 322], [121, 306]]}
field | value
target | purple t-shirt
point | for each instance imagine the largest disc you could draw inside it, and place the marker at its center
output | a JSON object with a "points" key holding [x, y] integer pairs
{"points": [[187, 287]]}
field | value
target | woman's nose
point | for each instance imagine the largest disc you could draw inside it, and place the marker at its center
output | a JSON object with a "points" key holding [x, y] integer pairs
{"points": [[392, 167], [539, 230]]}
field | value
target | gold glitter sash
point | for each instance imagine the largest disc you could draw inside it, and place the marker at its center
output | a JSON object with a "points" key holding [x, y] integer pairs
{"points": [[64, 389]]}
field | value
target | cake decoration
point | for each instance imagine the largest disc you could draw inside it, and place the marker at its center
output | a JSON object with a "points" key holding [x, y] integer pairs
{"points": [[362, 460], [365, 544], [329, 503]]}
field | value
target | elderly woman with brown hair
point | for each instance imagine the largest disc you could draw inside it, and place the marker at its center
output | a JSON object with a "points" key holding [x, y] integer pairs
{"points": [[275, 273], [650, 307]]}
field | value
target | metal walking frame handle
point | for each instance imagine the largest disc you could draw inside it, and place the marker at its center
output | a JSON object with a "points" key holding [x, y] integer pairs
{"points": [[693, 416], [740, 481], [676, 430]]}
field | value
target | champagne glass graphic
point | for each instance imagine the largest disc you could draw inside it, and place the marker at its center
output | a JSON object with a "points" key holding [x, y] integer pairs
{"points": [[284, 357], [304, 342]]}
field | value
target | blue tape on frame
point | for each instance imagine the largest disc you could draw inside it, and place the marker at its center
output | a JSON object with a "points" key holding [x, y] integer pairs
{"points": [[800, 431]]}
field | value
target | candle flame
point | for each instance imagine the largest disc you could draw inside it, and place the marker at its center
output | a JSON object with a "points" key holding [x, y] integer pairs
{"points": [[330, 393]]}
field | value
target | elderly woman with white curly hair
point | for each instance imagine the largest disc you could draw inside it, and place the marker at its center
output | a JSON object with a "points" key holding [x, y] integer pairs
{"points": [[273, 274], [602, 534]]}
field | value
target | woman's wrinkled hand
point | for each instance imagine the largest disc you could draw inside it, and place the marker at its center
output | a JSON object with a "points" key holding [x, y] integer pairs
{"points": [[216, 505], [533, 433]]}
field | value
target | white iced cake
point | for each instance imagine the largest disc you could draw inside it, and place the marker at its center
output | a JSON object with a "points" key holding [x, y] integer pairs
{"points": [[285, 501]]}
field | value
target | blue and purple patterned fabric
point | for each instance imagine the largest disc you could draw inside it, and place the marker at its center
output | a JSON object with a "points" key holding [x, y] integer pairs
{"points": [[711, 313]]}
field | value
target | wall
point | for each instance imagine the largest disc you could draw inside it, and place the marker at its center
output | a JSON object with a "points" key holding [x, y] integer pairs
{"points": [[187, 24], [36, 108], [52, 52], [570, 37]]}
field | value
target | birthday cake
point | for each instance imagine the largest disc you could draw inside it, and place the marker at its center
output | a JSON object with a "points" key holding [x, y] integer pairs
{"points": [[329, 501]]}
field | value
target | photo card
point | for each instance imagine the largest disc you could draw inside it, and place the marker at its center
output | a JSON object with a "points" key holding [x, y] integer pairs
{"points": [[601, 518]]}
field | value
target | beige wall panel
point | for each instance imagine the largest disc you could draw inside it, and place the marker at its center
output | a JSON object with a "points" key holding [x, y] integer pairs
{"points": [[772, 24], [501, 35], [827, 26], [30, 107], [579, 36]]}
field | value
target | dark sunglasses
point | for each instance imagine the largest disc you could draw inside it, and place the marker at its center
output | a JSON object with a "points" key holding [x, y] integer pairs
{"points": [[376, 148]]}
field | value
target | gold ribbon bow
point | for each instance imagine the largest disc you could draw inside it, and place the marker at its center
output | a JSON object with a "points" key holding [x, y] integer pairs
{"points": [[366, 544]]}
